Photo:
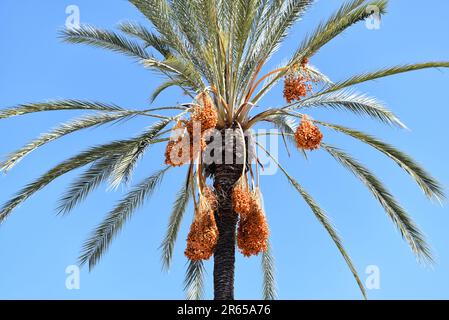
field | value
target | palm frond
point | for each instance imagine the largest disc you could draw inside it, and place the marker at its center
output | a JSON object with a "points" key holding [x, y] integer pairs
{"points": [[179, 208], [194, 280], [98, 243], [163, 86], [279, 19], [401, 219], [276, 22], [269, 282], [125, 165], [323, 219], [73, 163], [354, 102], [104, 39], [58, 105], [349, 14], [386, 72], [160, 14], [150, 39], [63, 130], [429, 185], [87, 182], [99, 172]]}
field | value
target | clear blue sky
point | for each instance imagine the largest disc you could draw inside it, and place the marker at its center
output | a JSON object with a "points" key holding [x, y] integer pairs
{"points": [[36, 246]]}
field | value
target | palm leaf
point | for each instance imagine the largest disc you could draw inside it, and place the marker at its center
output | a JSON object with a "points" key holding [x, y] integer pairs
{"points": [[105, 39], [349, 14], [99, 172], [179, 208], [58, 105], [386, 72], [125, 165], [73, 163], [194, 280], [150, 39], [357, 103], [98, 243], [86, 183], [63, 130], [164, 86], [323, 219], [269, 282], [401, 219], [429, 185]]}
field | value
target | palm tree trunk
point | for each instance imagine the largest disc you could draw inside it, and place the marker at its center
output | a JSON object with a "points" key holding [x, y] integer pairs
{"points": [[226, 175]]}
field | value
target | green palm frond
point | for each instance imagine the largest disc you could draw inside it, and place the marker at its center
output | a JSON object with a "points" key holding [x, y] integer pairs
{"points": [[105, 39], [279, 19], [87, 182], [357, 103], [187, 17], [386, 72], [269, 282], [98, 243], [430, 186], [150, 39], [274, 26], [323, 219], [401, 219], [73, 163], [179, 208], [99, 172], [58, 105], [160, 15], [63, 130], [349, 14], [163, 86], [194, 280], [125, 165], [243, 22]]}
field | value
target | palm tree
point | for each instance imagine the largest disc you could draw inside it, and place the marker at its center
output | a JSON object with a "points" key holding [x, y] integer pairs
{"points": [[215, 51]]}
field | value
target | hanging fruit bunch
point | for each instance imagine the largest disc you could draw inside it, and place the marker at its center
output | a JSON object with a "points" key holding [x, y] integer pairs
{"points": [[253, 231], [297, 84], [203, 234], [189, 138], [308, 136]]}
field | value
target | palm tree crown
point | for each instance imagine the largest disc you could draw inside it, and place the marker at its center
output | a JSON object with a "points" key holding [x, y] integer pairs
{"points": [[215, 51]]}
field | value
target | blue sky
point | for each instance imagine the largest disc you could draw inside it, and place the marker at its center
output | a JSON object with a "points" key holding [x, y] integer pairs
{"points": [[36, 246]]}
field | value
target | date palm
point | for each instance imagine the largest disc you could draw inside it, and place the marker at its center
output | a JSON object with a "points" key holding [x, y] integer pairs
{"points": [[218, 49]]}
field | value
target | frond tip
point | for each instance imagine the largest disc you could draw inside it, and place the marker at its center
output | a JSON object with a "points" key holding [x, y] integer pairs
{"points": [[323, 219], [179, 208], [98, 243], [408, 229], [194, 280], [269, 282], [429, 185]]}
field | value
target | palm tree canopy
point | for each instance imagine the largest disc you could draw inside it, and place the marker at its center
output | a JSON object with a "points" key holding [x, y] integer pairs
{"points": [[219, 48]]}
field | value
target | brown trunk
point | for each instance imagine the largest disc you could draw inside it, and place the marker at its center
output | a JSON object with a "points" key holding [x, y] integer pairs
{"points": [[226, 175]]}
